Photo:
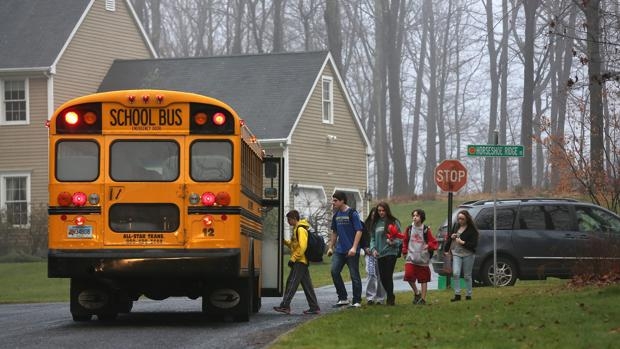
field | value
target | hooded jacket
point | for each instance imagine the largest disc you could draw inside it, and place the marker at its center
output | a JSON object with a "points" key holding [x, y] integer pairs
{"points": [[299, 242]]}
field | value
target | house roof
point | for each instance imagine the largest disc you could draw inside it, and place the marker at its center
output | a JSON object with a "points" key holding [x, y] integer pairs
{"points": [[31, 36], [269, 91]]}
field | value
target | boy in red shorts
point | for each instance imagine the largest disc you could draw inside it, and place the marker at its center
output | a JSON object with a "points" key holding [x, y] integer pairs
{"points": [[418, 246]]}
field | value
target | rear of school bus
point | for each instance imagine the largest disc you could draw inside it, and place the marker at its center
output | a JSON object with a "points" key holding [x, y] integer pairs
{"points": [[157, 194]]}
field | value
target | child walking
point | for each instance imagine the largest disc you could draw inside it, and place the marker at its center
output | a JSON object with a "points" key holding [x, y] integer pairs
{"points": [[418, 246]]}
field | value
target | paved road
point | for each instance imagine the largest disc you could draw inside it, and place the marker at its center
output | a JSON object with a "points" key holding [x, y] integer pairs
{"points": [[172, 323]]}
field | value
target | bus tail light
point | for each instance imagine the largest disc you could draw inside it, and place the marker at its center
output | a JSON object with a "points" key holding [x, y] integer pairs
{"points": [[71, 118], [64, 199], [219, 119], [194, 198], [93, 199], [82, 118], [79, 220], [78, 199], [90, 118], [208, 198], [207, 221], [210, 119], [200, 118], [222, 198]]}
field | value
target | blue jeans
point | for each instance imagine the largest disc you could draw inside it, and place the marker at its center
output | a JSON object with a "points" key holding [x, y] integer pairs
{"points": [[338, 262], [467, 265]]}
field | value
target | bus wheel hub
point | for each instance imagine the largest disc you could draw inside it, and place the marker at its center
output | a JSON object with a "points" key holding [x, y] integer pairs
{"points": [[93, 299]]}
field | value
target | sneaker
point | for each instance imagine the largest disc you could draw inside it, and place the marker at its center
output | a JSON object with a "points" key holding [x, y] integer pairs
{"points": [[417, 298], [355, 305], [370, 302], [312, 311], [467, 298], [391, 300], [282, 310], [341, 303], [421, 301]]}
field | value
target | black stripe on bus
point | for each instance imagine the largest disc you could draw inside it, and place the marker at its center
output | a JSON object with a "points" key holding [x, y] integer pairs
{"points": [[224, 210], [57, 210]]}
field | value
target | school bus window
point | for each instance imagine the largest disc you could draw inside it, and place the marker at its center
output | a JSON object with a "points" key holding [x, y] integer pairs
{"points": [[144, 161], [144, 218], [211, 161], [77, 161]]}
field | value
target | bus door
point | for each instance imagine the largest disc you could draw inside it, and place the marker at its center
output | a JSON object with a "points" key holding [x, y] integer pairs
{"points": [[144, 191], [273, 227]]}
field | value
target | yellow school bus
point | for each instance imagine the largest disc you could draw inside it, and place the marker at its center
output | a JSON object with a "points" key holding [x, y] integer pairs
{"points": [[158, 194]]}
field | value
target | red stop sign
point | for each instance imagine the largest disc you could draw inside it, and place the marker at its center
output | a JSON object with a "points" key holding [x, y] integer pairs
{"points": [[450, 175]]}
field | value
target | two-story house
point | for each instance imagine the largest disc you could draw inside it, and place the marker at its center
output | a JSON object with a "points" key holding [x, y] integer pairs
{"points": [[295, 103], [51, 51]]}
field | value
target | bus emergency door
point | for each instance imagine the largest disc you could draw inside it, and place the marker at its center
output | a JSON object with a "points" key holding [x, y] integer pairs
{"points": [[273, 227], [144, 191]]}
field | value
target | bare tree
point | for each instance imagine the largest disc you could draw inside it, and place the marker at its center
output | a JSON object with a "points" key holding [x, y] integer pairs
{"points": [[428, 184], [418, 103], [395, 13], [278, 25], [334, 29], [379, 101], [494, 80], [525, 168]]}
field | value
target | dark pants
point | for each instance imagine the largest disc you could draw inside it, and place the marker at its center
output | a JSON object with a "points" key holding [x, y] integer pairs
{"points": [[386, 273], [338, 262], [299, 274]]}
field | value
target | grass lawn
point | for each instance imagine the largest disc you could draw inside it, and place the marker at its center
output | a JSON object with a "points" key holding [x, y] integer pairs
{"points": [[28, 283], [532, 314]]}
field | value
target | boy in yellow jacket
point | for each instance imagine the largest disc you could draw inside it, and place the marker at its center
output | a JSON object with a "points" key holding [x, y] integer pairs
{"points": [[299, 266]]}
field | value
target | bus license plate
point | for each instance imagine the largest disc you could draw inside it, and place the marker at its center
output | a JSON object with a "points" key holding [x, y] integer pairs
{"points": [[80, 231]]}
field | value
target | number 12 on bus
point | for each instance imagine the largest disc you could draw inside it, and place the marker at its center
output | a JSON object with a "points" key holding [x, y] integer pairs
{"points": [[161, 193]]}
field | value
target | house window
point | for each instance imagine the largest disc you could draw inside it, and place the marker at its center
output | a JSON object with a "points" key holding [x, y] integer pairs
{"points": [[327, 97], [14, 107], [14, 198]]}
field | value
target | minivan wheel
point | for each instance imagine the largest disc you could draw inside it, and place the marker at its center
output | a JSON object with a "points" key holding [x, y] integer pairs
{"points": [[506, 272]]}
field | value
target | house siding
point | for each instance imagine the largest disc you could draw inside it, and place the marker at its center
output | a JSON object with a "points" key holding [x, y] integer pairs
{"points": [[316, 161], [24, 147], [103, 37]]}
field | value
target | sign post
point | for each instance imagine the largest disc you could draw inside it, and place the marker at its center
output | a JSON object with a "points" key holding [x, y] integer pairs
{"points": [[495, 151], [450, 176]]}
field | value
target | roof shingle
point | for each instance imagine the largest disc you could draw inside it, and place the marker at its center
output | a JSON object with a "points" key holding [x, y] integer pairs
{"points": [[32, 32], [268, 91]]}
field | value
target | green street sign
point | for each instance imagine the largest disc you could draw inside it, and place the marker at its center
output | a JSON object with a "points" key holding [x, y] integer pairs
{"points": [[494, 150]]}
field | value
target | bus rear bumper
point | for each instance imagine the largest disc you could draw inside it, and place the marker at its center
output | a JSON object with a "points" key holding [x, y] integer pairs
{"points": [[158, 263]]}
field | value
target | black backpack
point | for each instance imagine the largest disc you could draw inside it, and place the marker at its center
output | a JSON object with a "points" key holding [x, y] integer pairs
{"points": [[316, 245], [424, 235]]}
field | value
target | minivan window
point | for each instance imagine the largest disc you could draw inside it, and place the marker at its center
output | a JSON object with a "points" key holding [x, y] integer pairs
{"points": [[545, 217], [595, 219], [505, 218]]}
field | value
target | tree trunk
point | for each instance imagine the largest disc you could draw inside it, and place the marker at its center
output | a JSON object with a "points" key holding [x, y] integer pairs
{"points": [[592, 12], [525, 163], [493, 76], [278, 32], [415, 138], [428, 182], [503, 113], [334, 28], [394, 53], [379, 83]]}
